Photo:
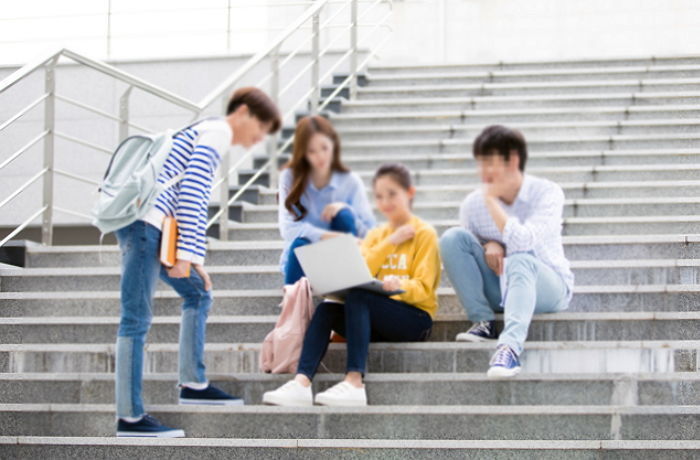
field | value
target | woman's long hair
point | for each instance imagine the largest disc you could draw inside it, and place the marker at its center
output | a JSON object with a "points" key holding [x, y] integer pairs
{"points": [[299, 165]]}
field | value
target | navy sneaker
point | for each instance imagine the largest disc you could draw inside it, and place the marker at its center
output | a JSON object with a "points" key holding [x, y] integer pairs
{"points": [[479, 332], [210, 396], [147, 427], [504, 363]]}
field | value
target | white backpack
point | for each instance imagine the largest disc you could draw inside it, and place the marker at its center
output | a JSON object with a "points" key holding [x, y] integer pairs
{"points": [[130, 184]]}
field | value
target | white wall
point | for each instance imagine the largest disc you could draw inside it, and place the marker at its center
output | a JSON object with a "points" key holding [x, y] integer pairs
{"points": [[464, 31]]}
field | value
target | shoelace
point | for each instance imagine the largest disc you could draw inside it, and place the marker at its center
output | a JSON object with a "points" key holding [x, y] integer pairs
{"points": [[150, 419], [482, 326], [502, 357], [339, 388]]}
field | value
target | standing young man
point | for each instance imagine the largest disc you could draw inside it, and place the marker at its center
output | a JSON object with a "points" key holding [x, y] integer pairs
{"points": [[510, 236], [196, 153]]}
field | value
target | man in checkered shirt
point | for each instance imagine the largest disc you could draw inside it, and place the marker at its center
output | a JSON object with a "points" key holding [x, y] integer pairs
{"points": [[507, 255]]}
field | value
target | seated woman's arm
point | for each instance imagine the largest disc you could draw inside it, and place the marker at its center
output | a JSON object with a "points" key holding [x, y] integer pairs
{"points": [[375, 250], [290, 228], [425, 277]]}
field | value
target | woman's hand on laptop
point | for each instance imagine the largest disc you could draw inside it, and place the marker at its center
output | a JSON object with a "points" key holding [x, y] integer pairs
{"points": [[332, 210], [391, 283], [402, 234]]}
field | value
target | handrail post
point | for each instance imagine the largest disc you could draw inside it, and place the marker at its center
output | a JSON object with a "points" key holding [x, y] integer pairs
{"points": [[353, 47], [49, 127], [124, 114], [108, 36], [223, 196], [228, 26], [315, 55], [273, 139]]}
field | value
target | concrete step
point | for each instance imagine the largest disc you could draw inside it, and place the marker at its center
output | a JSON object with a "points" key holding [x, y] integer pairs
{"points": [[587, 272], [539, 75], [465, 160], [69, 448], [253, 328], [573, 226], [585, 207], [587, 143], [658, 357], [539, 130], [532, 88], [572, 190], [587, 298], [622, 99], [568, 174], [373, 422], [244, 253], [616, 62], [509, 116], [671, 389]]}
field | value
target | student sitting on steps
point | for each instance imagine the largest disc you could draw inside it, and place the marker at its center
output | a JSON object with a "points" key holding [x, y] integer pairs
{"points": [[319, 197], [404, 254], [514, 215]]}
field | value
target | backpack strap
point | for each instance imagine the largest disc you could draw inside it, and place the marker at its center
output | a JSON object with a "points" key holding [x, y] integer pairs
{"points": [[181, 176]]}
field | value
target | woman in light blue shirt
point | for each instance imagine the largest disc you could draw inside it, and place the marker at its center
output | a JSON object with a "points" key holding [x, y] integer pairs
{"points": [[319, 197]]}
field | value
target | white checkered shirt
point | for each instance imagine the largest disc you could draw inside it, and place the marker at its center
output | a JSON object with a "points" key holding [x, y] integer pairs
{"points": [[534, 224]]}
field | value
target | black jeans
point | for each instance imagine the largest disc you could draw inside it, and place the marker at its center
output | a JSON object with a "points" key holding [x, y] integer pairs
{"points": [[365, 316]]}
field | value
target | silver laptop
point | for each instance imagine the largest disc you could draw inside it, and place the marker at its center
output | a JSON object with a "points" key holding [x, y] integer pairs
{"points": [[335, 265]]}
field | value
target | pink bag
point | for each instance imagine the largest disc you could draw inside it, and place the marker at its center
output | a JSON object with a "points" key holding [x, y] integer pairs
{"points": [[281, 348]]}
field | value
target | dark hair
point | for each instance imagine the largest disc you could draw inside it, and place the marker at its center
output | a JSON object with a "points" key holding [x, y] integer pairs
{"points": [[306, 128], [398, 172], [259, 104], [500, 140]]}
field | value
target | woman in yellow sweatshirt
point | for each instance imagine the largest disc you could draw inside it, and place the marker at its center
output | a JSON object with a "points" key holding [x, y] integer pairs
{"points": [[404, 254]]}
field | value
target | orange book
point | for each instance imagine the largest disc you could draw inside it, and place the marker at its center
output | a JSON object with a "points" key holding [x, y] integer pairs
{"points": [[168, 242]]}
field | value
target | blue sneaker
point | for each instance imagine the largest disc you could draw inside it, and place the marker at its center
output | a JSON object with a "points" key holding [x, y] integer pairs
{"points": [[504, 363], [479, 332], [210, 395], [147, 427]]}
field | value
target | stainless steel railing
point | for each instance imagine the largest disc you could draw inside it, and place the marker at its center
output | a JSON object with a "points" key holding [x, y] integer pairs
{"points": [[273, 79]]}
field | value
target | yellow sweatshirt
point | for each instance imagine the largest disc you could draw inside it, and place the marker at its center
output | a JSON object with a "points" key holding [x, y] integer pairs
{"points": [[416, 262]]}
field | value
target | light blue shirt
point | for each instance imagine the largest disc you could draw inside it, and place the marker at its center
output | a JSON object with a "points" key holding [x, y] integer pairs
{"points": [[345, 187], [534, 224]]}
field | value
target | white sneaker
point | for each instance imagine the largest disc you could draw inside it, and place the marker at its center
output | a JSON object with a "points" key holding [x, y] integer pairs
{"points": [[291, 393], [343, 394]]}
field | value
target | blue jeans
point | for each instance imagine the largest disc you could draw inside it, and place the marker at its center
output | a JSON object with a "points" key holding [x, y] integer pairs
{"points": [[532, 287], [343, 222], [365, 317], [140, 246]]}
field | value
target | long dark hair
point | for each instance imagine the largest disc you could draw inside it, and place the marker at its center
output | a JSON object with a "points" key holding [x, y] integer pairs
{"points": [[299, 165]]}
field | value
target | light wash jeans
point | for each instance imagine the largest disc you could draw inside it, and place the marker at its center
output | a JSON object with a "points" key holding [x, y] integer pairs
{"points": [[532, 287], [140, 246]]}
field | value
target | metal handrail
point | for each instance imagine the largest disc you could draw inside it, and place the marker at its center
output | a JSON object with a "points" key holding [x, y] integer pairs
{"points": [[48, 62], [271, 163]]}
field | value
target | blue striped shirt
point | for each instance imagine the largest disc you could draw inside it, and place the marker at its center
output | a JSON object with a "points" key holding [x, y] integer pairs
{"points": [[197, 152]]}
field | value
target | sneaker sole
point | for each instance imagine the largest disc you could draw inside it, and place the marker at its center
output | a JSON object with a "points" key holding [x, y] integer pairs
{"points": [[286, 403], [212, 402], [471, 338], [502, 373], [341, 403], [163, 434]]}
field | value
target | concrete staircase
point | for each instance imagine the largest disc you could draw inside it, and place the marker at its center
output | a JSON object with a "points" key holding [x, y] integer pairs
{"points": [[616, 376]]}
